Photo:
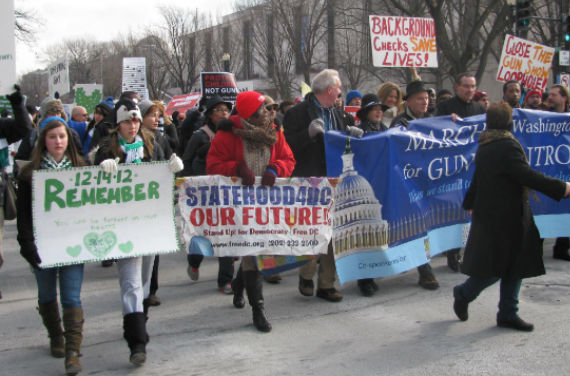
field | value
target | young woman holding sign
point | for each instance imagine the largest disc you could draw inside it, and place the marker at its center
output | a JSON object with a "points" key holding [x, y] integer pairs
{"points": [[53, 151], [127, 143]]}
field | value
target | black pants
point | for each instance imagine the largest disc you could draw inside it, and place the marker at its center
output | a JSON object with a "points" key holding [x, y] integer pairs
{"points": [[154, 277], [225, 267]]}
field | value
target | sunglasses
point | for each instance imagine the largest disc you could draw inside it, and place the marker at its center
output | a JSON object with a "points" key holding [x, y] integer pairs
{"points": [[272, 107]]}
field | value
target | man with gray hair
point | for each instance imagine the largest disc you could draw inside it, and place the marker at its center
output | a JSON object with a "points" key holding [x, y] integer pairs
{"points": [[305, 125]]}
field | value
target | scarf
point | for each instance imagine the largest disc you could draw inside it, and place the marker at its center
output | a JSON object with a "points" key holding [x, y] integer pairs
{"points": [[491, 135], [48, 162], [327, 116], [134, 152], [257, 137]]}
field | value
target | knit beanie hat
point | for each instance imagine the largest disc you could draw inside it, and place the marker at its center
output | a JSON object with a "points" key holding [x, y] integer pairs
{"points": [[109, 103], [50, 106], [351, 95], [247, 102], [532, 92], [126, 109], [145, 106]]}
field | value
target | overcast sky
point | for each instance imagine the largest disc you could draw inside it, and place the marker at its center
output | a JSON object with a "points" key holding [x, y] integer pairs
{"points": [[99, 20]]}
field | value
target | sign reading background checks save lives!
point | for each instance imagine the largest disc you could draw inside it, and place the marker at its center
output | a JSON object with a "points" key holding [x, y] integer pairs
{"points": [[403, 41], [83, 214]]}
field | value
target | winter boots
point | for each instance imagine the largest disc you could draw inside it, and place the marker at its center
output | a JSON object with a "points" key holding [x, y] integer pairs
{"points": [[52, 322], [253, 282], [237, 287], [73, 325], [134, 332]]}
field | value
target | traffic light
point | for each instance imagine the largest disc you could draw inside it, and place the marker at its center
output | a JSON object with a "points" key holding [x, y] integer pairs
{"points": [[523, 12], [566, 29]]}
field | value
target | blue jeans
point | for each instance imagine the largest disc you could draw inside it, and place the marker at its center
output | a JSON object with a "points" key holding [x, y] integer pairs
{"points": [[70, 280], [509, 299]]}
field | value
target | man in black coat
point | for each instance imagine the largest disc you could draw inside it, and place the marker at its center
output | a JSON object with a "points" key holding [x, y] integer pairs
{"points": [[503, 243], [417, 101], [462, 105], [305, 125]]}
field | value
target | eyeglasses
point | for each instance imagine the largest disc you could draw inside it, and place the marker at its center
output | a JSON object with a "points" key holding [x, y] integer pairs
{"points": [[222, 109], [272, 107]]}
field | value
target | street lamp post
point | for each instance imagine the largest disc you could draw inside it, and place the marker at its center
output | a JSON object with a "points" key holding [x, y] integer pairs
{"points": [[226, 61]]}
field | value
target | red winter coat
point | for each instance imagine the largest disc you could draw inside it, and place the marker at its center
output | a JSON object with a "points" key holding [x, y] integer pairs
{"points": [[226, 152]]}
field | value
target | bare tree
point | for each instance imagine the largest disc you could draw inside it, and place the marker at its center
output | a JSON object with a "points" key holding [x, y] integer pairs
{"points": [[26, 25], [468, 32], [175, 47]]}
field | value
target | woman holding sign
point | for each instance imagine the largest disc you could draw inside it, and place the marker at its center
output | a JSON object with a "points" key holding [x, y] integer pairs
{"points": [[127, 143], [53, 151], [249, 145], [504, 243]]}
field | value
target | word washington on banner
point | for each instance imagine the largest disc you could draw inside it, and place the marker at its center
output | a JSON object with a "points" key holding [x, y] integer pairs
{"points": [[292, 218], [399, 196]]}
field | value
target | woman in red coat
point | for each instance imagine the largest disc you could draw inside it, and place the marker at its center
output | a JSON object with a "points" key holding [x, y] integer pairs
{"points": [[249, 145]]}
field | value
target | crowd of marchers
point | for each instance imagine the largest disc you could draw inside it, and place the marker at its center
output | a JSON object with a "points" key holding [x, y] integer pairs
{"points": [[257, 137]]}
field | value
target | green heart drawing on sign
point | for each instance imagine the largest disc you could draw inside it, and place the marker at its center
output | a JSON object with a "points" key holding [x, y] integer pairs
{"points": [[88, 101], [73, 251], [126, 247], [100, 245]]}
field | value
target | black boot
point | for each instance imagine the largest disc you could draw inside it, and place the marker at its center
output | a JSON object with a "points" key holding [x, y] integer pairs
{"points": [[134, 327], [253, 285], [237, 287]]}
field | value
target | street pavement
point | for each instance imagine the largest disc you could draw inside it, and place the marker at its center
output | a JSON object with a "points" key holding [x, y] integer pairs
{"points": [[402, 330]]}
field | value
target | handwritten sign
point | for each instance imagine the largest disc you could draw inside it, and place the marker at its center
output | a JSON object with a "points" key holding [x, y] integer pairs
{"points": [[292, 218], [219, 83], [59, 79], [403, 41], [7, 48], [526, 62], [84, 214]]}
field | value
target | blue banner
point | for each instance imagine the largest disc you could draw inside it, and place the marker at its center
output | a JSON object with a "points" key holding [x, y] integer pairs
{"points": [[399, 198]]}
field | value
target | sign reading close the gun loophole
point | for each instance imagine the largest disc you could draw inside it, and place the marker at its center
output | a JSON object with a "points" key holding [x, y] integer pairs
{"points": [[83, 214]]}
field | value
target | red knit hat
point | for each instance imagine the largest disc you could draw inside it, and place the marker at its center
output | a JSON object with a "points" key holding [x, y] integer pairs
{"points": [[532, 92], [247, 102]]}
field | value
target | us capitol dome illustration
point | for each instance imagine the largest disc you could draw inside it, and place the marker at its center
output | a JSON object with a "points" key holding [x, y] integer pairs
{"points": [[357, 223]]}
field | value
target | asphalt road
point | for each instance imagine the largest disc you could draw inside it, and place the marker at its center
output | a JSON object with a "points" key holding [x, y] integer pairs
{"points": [[402, 330]]}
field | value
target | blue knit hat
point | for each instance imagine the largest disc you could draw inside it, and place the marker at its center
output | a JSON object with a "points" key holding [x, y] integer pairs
{"points": [[351, 95], [109, 103]]}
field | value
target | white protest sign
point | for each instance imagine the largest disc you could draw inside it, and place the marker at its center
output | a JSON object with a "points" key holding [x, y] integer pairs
{"points": [[403, 41], [7, 48], [526, 62], [134, 76], [83, 214], [292, 218], [58, 78]]}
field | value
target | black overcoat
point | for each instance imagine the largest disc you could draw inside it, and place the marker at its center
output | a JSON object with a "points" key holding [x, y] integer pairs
{"points": [[504, 241], [309, 153]]}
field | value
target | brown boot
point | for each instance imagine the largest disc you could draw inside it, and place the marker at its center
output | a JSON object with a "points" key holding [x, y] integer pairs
{"points": [[73, 324], [52, 322]]}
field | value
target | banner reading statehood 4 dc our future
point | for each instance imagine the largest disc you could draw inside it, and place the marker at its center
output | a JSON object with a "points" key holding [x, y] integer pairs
{"points": [[292, 218]]}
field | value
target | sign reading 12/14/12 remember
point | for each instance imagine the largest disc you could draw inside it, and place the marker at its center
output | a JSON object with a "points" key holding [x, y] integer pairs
{"points": [[84, 214]]}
